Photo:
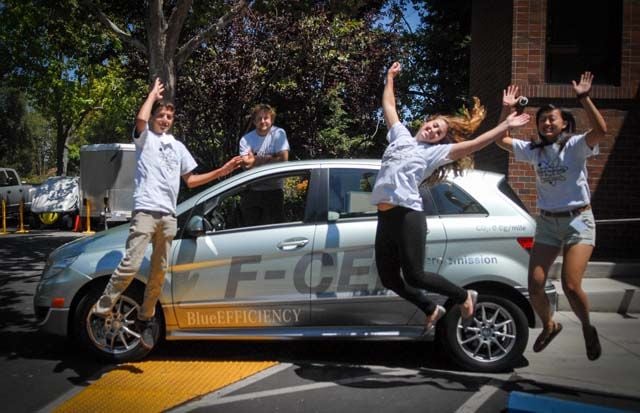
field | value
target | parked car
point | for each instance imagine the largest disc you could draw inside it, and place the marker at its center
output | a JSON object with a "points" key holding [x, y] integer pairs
{"points": [[56, 202], [14, 192], [312, 276]]}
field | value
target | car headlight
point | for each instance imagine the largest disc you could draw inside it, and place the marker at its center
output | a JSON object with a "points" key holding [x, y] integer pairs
{"points": [[56, 267]]}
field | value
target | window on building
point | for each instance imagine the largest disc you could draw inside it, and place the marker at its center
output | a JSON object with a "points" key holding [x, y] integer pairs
{"points": [[584, 35]]}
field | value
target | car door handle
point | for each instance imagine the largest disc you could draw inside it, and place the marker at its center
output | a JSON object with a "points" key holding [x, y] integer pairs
{"points": [[292, 244]]}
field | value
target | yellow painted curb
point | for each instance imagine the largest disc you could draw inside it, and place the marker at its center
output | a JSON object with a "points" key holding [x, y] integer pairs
{"points": [[155, 386]]}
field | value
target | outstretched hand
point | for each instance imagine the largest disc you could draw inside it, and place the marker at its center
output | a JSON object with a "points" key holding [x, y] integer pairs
{"points": [[157, 90], [515, 121], [510, 96], [231, 165], [248, 160], [394, 70], [584, 86]]}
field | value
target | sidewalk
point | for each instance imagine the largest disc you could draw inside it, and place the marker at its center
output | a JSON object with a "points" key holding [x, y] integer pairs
{"points": [[612, 287]]}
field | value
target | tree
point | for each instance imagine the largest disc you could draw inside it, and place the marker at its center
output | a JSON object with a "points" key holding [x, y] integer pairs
{"points": [[436, 65], [161, 47], [58, 61], [321, 67], [16, 139]]}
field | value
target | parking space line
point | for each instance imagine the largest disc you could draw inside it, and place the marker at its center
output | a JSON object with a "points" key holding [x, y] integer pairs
{"points": [[155, 386], [480, 397]]}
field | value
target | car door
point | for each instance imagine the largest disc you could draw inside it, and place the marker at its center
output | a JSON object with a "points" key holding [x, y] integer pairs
{"points": [[235, 275], [345, 287]]}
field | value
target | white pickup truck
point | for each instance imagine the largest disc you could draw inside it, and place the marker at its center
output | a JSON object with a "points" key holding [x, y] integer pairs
{"points": [[13, 190]]}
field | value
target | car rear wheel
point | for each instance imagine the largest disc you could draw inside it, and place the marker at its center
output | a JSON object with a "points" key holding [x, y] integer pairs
{"points": [[114, 338], [492, 341]]}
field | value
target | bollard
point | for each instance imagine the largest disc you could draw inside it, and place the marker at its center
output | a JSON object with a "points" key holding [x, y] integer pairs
{"points": [[4, 217], [21, 215], [88, 211]]}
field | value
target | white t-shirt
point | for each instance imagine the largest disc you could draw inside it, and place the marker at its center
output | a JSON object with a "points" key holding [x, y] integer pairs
{"points": [[405, 164], [160, 162], [561, 176], [274, 142]]}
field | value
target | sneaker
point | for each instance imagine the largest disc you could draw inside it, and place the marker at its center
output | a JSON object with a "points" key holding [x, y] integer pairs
{"points": [[145, 328], [103, 307]]}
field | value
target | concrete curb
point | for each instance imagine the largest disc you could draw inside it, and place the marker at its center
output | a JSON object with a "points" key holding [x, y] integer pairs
{"points": [[611, 287], [601, 269]]}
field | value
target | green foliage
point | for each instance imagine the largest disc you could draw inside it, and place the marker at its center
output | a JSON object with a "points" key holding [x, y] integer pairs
{"points": [[320, 63], [435, 77], [320, 69], [16, 135], [68, 69]]}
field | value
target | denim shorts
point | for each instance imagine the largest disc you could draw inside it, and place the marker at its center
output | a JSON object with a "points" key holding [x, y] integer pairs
{"points": [[559, 231]]}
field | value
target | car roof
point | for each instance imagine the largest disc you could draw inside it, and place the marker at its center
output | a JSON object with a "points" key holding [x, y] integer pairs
{"points": [[468, 178]]}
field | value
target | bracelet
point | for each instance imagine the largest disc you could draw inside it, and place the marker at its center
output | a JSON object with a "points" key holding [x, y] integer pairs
{"points": [[582, 95]]}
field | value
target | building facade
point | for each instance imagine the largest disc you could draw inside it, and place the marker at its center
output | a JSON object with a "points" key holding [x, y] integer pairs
{"points": [[541, 45]]}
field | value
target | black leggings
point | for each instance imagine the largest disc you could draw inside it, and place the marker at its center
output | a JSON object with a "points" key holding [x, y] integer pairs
{"points": [[400, 244]]}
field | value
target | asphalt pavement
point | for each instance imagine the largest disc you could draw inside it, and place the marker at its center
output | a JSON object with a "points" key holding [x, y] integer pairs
{"points": [[41, 373]]}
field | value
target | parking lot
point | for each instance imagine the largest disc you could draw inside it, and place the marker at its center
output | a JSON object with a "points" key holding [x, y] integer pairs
{"points": [[43, 373]]}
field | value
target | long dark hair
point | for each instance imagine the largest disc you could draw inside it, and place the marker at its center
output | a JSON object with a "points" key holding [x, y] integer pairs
{"points": [[568, 132]]}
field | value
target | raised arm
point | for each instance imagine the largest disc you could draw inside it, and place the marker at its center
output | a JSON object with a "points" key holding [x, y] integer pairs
{"points": [[462, 149], [389, 98], [145, 110], [509, 102], [596, 121]]}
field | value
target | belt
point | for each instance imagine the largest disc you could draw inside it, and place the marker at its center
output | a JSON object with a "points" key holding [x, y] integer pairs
{"points": [[571, 213]]}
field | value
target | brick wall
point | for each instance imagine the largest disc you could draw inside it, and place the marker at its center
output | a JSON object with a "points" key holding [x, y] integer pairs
{"points": [[615, 173]]}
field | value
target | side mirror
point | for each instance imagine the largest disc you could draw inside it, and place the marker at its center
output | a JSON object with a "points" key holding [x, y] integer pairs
{"points": [[197, 227], [333, 216]]}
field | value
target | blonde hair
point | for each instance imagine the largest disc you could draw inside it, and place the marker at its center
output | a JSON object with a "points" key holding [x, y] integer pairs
{"points": [[263, 107], [460, 127]]}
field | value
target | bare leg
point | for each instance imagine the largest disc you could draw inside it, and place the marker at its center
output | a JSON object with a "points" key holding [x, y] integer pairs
{"points": [[576, 258], [542, 257]]}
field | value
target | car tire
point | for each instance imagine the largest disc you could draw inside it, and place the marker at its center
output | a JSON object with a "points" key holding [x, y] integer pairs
{"points": [[493, 341], [113, 339]]}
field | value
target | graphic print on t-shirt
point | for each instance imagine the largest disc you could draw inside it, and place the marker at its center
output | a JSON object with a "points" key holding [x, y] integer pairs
{"points": [[169, 158], [551, 172]]}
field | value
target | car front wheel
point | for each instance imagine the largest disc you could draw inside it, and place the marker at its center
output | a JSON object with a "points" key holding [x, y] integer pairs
{"points": [[492, 341], [114, 338]]}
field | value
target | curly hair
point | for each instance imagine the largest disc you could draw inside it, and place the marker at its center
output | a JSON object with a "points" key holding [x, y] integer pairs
{"points": [[460, 127]]}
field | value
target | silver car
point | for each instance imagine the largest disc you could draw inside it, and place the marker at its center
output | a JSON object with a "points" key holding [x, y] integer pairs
{"points": [[312, 276]]}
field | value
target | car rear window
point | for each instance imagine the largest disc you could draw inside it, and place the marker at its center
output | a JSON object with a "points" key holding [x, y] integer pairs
{"points": [[450, 199], [506, 189]]}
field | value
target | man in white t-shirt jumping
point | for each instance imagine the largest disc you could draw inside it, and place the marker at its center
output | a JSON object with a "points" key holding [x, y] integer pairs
{"points": [[161, 161]]}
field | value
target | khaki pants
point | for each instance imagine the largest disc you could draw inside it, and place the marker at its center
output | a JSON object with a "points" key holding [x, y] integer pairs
{"points": [[154, 227]]}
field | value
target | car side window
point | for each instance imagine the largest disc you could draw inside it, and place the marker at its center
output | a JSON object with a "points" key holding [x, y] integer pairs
{"points": [[3, 179], [350, 192], [450, 199], [231, 210], [12, 178]]}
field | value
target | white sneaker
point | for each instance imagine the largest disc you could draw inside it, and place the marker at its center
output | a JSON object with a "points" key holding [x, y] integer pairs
{"points": [[103, 307]]}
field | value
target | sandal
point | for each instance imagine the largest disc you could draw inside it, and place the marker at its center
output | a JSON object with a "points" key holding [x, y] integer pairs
{"points": [[592, 343], [437, 314], [545, 338]]}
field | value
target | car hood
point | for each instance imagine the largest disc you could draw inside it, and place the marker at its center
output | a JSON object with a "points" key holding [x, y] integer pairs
{"points": [[110, 239]]}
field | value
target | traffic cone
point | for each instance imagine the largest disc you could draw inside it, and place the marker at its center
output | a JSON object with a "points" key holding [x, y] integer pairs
{"points": [[77, 226]]}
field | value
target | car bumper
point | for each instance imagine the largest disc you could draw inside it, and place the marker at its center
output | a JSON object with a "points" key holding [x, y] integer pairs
{"points": [[55, 321]]}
